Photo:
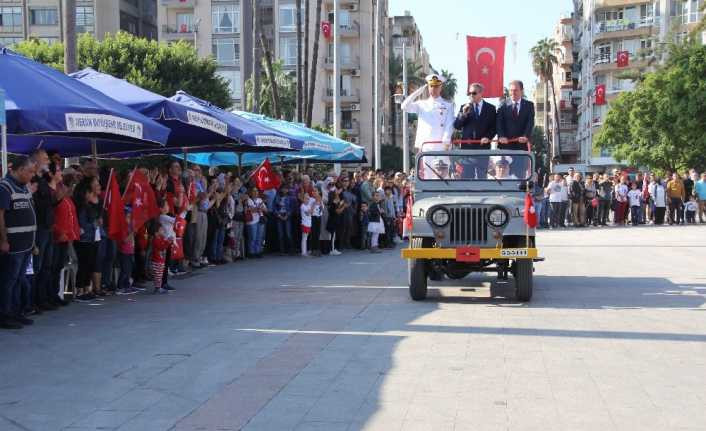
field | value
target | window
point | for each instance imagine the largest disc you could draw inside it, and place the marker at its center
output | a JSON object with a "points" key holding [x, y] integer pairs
{"points": [[84, 19], [288, 50], [226, 51], [694, 11], [185, 22], [232, 77], [226, 18], [9, 41], [603, 54], [287, 18], [10, 19], [645, 43], [346, 119], [44, 16]]}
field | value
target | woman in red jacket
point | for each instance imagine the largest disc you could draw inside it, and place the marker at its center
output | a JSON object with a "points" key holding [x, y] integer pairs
{"points": [[66, 228]]}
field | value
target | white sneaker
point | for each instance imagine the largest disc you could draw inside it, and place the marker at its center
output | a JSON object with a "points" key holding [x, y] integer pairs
{"points": [[306, 255], [335, 252]]}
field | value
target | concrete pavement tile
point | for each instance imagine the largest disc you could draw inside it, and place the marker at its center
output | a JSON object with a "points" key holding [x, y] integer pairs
{"points": [[162, 415], [102, 419], [427, 425], [322, 426], [136, 400]]}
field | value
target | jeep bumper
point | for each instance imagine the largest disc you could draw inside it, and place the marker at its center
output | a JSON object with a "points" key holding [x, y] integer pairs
{"points": [[470, 254]]}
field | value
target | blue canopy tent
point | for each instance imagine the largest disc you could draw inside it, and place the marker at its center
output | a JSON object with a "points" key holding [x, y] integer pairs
{"points": [[43, 101], [190, 128]]}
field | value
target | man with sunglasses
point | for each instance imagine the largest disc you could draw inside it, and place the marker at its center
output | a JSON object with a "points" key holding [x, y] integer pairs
{"points": [[477, 121]]}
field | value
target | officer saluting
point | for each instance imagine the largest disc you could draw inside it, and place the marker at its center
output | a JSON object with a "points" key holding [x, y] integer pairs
{"points": [[435, 118], [435, 115]]}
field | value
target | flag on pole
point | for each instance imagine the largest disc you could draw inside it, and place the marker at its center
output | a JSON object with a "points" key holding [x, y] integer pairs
{"points": [[141, 197], [265, 177], [486, 63], [530, 213], [117, 225], [600, 94]]}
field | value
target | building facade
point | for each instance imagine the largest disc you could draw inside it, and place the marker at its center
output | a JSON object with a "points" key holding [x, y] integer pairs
{"points": [[565, 92], [602, 28], [43, 19]]}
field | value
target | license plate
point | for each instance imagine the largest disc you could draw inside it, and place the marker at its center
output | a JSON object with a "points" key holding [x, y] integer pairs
{"points": [[468, 254], [513, 252]]}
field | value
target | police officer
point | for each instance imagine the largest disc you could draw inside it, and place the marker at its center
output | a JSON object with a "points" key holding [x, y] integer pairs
{"points": [[435, 116], [17, 233]]}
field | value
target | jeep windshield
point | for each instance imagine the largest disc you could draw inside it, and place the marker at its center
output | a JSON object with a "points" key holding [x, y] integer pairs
{"points": [[463, 167]]}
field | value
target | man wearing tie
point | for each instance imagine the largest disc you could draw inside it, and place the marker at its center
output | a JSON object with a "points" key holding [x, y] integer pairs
{"points": [[515, 120], [477, 121]]}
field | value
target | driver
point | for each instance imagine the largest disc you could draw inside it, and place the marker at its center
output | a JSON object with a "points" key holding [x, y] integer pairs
{"points": [[442, 168], [502, 168]]}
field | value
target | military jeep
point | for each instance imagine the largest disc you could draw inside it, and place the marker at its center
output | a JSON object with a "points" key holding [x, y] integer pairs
{"points": [[468, 216]]}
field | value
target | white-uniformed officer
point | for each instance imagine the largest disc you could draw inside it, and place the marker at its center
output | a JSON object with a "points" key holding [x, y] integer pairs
{"points": [[435, 117]]}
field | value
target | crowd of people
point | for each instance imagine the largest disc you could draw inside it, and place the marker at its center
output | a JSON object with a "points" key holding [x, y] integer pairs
{"points": [[55, 226], [621, 199]]}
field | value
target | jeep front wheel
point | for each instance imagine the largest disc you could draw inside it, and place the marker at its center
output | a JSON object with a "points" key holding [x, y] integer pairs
{"points": [[523, 279], [417, 269]]}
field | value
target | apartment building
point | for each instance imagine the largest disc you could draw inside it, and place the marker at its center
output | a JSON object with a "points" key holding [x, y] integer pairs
{"points": [[564, 90], [404, 30], [602, 28], [43, 19]]}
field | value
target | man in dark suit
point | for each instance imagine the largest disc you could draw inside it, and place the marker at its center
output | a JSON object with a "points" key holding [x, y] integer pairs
{"points": [[515, 120], [477, 121]]}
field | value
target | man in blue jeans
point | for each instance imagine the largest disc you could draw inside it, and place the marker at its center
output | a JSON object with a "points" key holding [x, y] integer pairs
{"points": [[283, 215], [17, 233]]}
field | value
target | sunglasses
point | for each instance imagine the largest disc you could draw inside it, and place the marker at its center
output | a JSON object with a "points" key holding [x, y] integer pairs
{"points": [[473, 93]]}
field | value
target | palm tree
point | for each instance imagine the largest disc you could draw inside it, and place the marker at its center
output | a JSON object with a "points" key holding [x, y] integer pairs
{"points": [[272, 78], [307, 30], [543, 61], [314, 61], [299, 61], [450, 87], [415, 79]]}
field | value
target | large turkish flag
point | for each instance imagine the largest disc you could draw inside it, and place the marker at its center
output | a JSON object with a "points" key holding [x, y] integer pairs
{"points": [[486, 63]]}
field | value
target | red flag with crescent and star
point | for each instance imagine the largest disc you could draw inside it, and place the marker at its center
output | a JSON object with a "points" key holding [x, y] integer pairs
{"points": [[486, 63], [623, 58], [600, 94], [326, 29], [140, 195], [265, 177], [530, 213]]}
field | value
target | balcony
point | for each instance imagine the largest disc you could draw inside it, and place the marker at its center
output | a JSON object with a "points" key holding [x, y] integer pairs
{"points": [[606, 63], [346, 95], [603, 4], [622, 28], [178, 4], [183, 31], [345, 63]]}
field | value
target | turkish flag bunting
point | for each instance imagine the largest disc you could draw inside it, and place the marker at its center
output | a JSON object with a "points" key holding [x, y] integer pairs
{"points": [[486, 63], [326, 29], [117, 225], [600, 94], [141, 197], [623, 58], [530, 213], [265, 178]]}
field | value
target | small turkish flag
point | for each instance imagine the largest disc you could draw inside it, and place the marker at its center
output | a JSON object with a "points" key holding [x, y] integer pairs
{"points": [[117, 225], [326, 29], [265, 178], [623, 58], [140, 195], [486, 63], [530, 213], [600, 94], [408, 224]]}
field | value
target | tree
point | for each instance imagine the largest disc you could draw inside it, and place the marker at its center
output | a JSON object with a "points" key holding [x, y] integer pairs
{"points": [[314, 64], [448, 92], [660, 123], [307, 30], [286, 89], [415, 79], [543, 62], [157, 67], [391, 156], [277, 113]]}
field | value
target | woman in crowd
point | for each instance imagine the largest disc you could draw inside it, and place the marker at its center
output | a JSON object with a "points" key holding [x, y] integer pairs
{"points": [[589, 202], [88, 276], [658, 195], [255, 220]]}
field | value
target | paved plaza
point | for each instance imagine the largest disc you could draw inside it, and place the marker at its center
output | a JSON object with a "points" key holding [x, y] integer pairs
{"points": [[614, 339]]}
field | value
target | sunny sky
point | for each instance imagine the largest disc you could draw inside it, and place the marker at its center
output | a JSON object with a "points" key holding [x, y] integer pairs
{"points": [[444, 25]]}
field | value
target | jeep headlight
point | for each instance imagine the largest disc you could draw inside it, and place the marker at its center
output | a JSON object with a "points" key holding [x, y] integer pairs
{"points": [[440, 217], [497, 217]]}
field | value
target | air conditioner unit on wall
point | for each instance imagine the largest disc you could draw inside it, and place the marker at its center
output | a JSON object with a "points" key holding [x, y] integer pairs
{"points": [[353, 139], [355, 72], [353, 8], [355, 106]]}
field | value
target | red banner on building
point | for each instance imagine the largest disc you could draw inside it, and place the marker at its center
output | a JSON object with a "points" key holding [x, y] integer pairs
{"points": [[600, 94], [623, 58], [486, 63], [326, 29]]}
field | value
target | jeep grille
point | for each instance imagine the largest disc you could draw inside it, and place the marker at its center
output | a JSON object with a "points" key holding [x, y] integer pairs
{"points": [[468, 226]]}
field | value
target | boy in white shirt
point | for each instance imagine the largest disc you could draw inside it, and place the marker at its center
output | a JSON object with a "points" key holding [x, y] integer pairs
{"points": [[634, 197], [306, 209], [691, 207]]}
